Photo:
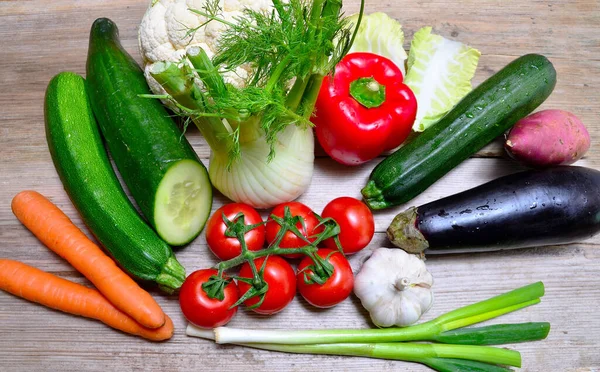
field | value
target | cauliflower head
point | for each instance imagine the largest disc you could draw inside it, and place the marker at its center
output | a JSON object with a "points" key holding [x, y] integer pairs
{"points": [[164, 33]]}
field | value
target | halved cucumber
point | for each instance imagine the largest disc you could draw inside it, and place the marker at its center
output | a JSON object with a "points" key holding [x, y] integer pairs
{"points": [[181, 199], [161, 170]]}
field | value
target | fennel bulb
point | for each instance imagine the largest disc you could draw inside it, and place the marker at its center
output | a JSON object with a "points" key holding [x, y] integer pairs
{"points": [[253, 181]]}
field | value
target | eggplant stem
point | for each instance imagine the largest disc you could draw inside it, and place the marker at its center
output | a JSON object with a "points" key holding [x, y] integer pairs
{"points": [[403, 232]]}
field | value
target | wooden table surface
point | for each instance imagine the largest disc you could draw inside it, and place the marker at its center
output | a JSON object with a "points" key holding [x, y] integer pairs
{"points": [[39, 38]]}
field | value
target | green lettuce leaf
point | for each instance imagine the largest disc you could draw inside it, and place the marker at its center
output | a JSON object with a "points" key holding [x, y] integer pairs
{"points": [[439, 74], [380, 34]]}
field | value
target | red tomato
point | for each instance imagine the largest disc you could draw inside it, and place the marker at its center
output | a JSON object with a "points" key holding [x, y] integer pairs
{"points": [[202, 310], [281, 279], [357, 226], [291, 240], [225, 247], [336, 289]]}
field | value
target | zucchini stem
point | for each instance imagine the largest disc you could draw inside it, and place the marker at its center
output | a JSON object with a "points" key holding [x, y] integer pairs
{"points": [[171, 276]]}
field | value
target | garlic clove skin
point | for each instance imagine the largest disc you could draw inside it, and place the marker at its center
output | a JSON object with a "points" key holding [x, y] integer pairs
{"points": [[395, 287]]}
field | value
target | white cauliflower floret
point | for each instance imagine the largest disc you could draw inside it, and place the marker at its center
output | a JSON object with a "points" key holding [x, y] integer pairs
{"points": [[165, 35]]}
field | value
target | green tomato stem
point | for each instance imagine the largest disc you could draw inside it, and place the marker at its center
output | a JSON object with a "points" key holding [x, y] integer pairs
{"points": [[271, 251], [288, 223]]}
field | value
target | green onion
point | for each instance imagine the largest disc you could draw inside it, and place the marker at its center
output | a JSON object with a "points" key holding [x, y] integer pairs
{"points": [[443, 356], [428, 331], [461, 365], [408, 352], [456, 350], [496, 334]]}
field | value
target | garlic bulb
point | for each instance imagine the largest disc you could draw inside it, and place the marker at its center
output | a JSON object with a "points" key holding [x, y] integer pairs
{"points": [[395, 287]]}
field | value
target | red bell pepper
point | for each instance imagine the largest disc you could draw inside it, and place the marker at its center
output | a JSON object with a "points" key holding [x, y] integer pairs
{"points": [[364, 109]]}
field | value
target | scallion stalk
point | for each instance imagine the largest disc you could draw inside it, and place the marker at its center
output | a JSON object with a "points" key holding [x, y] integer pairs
{"points": [[438, 356], [408, 352], [428, 331], [461, 365], [497, 334]]}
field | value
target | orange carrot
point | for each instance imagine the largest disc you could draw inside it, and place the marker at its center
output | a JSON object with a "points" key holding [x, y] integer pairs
{"points": [[57, 293], [50, 225]]}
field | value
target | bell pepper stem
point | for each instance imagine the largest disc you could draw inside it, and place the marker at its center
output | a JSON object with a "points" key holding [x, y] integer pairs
{"points": [[368, 92]]}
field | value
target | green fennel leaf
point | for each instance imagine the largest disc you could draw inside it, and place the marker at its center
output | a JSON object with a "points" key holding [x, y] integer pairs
{"points": [[286, 51]]}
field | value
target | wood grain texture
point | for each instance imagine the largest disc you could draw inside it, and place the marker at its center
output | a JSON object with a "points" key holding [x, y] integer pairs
{"points": [[39, 38]]}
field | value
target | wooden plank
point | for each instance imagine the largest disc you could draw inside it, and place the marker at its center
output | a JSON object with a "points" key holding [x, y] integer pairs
{"points": [[42, 37]]}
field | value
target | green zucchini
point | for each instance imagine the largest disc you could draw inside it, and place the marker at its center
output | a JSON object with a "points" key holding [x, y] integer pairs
{"points": [[484, 114], [89, 179], [160, 168]]}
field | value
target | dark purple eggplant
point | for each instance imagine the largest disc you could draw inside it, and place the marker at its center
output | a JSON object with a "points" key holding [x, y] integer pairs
{"points": [[533, 208]]}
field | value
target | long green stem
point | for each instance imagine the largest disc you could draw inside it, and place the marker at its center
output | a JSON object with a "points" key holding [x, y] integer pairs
{"points": [[316, 11], [207, 72], [404, 351], [464, 322], [309, 99], [275, 78], [461, 317], [187, 94], [411, 352], [358, 22], [314, 17], [213, 17], [461, 365], [235, 335], [294, 96], [526, 294], [497, 334], [271, 251]]}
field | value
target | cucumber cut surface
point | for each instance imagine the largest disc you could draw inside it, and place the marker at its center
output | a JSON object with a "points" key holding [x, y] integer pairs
{"points": [[180, 208]]}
